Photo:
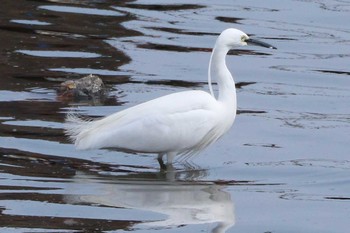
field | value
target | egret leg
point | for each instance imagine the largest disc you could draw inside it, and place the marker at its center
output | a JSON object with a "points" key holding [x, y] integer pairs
{"points": [[161, 162], [170, 157]]}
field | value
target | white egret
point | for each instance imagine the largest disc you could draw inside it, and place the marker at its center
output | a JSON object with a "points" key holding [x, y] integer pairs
{"points": [[182, 123]]}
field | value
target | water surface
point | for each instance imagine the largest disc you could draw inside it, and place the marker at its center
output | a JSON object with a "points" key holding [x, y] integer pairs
{"points": [[283, 167]]}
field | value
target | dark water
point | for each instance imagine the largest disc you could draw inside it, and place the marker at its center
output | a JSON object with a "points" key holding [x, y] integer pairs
{"points": [[284, 166]]}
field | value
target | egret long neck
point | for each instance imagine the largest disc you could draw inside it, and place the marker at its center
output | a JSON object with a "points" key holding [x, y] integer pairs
{"points": [[219, 72]]}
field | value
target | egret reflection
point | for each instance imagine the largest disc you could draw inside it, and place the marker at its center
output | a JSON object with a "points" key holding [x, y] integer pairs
{"points": [[181, 203]]}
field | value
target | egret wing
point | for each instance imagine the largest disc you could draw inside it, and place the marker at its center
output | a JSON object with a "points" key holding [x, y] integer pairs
{"points": [[171, 123], [157, 133]]}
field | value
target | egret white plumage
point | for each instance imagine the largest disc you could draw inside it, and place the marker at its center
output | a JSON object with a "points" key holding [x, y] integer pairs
{"points": [[182, 123]]}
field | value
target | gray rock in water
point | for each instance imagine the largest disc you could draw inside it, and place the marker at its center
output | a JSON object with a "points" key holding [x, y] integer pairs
{"points": [[90, 86]]}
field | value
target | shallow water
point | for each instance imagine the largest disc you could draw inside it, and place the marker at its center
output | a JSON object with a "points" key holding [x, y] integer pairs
{"points": [[284, 166]]}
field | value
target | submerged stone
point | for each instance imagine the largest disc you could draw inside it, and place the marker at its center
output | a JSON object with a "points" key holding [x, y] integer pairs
{"points": [[90, 86]]}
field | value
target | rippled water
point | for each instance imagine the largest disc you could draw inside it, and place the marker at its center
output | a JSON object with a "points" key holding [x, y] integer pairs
{"points": [[284, 166]]}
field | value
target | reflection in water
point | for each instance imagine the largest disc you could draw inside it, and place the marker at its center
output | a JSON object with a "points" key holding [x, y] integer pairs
{"points": [[182, 202]]}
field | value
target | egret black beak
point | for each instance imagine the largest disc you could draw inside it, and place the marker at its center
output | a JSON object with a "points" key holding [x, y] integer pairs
{"points": [[259, 43]]}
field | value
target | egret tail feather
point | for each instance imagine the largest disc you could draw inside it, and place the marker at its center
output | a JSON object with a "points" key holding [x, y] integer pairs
{"points": [[75, 124]]}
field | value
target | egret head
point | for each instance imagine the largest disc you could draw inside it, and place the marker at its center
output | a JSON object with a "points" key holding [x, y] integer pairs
{"points": [[232, 38]]}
